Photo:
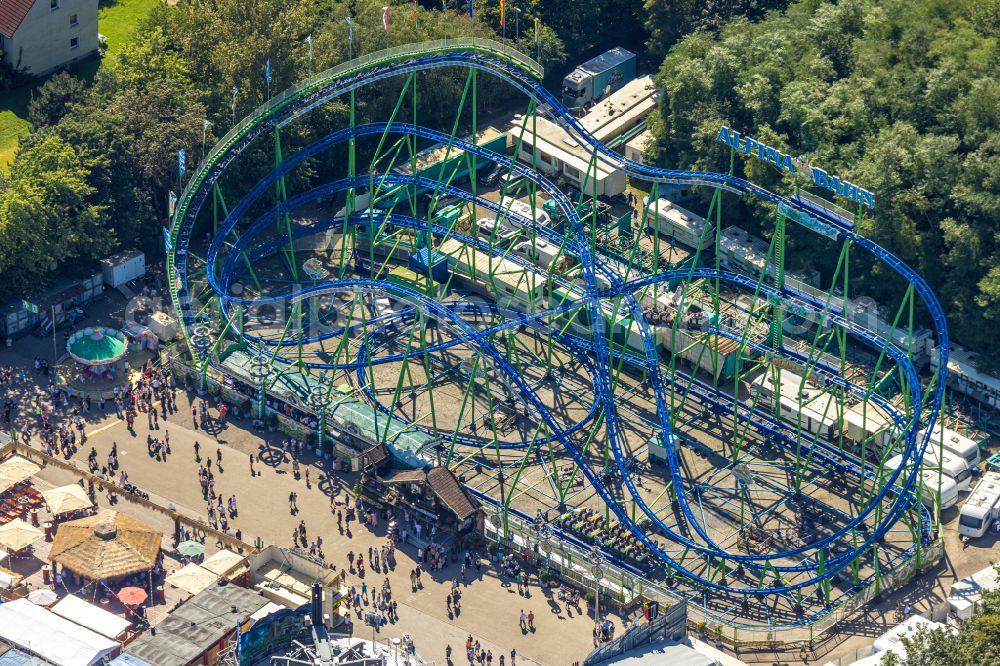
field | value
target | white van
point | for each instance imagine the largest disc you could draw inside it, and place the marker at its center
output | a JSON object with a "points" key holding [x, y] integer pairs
{"points": [[953, 441], [522, 208], [982, 507], [933, 485]]}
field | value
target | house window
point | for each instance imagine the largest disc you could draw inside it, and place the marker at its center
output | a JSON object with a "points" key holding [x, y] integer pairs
{"points": [[53, 4], [73, 20], [74, 42]]}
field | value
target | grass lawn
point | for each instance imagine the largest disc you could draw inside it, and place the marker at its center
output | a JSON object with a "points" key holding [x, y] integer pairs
{"points": [[13, 121], [117, 19]]}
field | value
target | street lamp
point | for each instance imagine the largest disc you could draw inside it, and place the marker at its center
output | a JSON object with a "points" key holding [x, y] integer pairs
{"points": [[260, 368], [204, 131], [233, 105], [201, 340], [318, 399], [496, 520], [546, 546], [595, 554]]}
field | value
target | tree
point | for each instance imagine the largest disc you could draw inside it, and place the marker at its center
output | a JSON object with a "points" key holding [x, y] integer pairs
{"points": [[54, 98], [899, 97], [46, 217], [977, 641], [162, 118], [666, 21]]}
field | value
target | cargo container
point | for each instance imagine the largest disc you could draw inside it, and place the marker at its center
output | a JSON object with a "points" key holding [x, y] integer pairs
{"points": [[430, 263], [123, 267], [598, 77]]}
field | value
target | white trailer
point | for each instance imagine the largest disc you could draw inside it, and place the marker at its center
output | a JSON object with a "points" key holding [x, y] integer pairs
{"points": [[803, 404], [954, 442], [678, 223], [951, 464], [982, 507], [869, 422], [934, 484]]}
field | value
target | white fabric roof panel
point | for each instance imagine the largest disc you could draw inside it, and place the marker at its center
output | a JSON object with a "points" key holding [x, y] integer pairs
{"points": [[51, 637], [90, 616]]}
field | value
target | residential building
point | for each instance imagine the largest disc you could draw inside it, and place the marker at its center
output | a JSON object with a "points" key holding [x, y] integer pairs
{"points": [[39, 36]]}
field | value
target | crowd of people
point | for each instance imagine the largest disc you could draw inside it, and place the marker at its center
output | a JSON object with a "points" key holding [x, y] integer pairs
{"points": [[57, 423]]}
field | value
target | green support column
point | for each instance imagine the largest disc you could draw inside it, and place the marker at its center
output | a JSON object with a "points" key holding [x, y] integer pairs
{"points": [[281, 196]]}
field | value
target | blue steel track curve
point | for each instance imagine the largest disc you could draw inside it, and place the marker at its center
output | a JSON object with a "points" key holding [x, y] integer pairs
{"points": [[594, 298]]}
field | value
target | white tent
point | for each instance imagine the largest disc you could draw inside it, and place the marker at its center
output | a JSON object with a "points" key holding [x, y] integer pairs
{"points": [[51, 637], [66, 498], [223, 562], [90, 616], [192, 578], [17, 469]]}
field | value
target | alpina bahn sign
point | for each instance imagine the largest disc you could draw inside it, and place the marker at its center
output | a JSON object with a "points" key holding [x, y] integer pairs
{"points": [[797, 166]]}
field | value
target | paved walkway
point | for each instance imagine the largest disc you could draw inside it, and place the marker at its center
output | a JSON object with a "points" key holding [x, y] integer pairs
{"points": [[490, 611]]}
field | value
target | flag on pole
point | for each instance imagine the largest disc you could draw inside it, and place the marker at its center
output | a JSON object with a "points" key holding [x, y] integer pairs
{"points": [[470, 7], [267, 70], [180, 162], [171, 204], [350, 30], [168, 244], [538, 36], [503, 17], [414, 12], [385, 18]]}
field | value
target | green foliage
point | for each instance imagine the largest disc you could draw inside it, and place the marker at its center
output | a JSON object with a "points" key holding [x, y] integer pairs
{"points": [[48, 215], [900, 96], [589, 27], [53, 99], [666, 21], [976, 642]]}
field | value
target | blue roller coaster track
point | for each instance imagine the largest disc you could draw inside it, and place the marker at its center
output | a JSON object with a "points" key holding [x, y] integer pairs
{"points": [[593, 351]]}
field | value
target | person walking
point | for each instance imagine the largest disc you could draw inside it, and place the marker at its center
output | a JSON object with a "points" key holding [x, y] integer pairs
{"points": [[531, 620], [523, 621], [252, 473]]}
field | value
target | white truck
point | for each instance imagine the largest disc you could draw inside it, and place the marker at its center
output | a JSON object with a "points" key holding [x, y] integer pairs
{"points": [[598, 77], [982, 507]]}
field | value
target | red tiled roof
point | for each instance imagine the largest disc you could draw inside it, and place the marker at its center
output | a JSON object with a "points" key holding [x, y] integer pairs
{"points": [[12, 12]]}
